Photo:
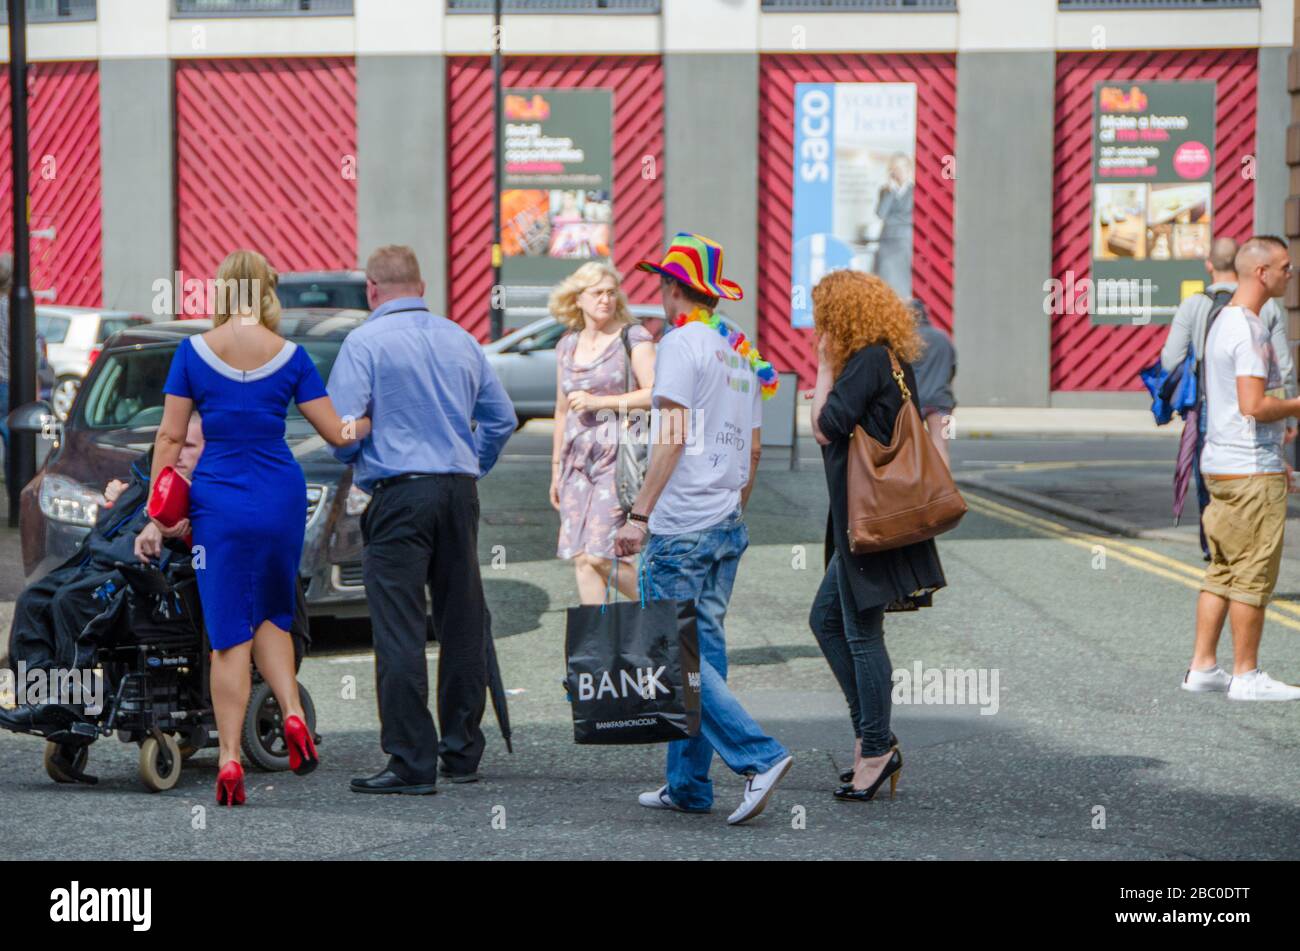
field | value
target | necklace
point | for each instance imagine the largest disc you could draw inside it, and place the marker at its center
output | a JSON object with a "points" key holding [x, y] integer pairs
{"points": [[736, 340], [596, 344]]}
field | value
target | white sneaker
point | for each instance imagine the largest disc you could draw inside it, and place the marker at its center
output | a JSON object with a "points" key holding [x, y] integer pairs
{"points": [[758, 789], [1258, 685], [659, 799], [1214, 680]]}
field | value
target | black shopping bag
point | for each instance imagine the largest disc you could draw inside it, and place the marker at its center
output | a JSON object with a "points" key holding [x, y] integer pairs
{"points": [[633, 672]]}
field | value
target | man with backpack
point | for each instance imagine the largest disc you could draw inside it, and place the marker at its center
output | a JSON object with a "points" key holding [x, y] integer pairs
{"points": [[1248, 478], [1188, 331]]}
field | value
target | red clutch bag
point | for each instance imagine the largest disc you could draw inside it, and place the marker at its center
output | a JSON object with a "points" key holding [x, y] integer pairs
{"points": [[169, 502]]}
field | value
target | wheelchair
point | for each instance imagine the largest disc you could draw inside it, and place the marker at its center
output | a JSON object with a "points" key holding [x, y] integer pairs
{"points": [[154, 663]]}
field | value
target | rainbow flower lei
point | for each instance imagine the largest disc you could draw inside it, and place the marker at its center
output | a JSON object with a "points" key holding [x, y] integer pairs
{"points": [[736, 340]]}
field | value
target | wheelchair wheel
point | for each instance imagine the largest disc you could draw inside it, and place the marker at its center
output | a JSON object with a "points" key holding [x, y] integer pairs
{"points": [[263, 735], [60, 759], [160, 764]]}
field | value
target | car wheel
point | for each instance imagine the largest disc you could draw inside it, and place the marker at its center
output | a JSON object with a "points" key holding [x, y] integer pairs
{"points": [[63, 395]]}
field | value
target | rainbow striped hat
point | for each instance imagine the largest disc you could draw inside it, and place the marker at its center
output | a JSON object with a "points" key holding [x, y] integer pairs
{"points": [[696, 261]]}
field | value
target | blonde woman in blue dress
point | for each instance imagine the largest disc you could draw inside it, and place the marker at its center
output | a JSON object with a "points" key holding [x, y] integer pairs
{"points": [[248, 499]]}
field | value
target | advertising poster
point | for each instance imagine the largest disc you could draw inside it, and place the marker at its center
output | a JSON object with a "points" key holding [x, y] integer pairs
{"points": [[1152, 197], [854, 178], [556, 197]]}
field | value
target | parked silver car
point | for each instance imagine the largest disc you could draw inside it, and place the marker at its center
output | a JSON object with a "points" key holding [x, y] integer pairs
{"points": [[74, 338], [525, 358]]}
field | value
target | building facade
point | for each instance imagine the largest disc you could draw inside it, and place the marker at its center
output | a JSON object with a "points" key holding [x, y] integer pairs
{"points": [[166, 132]]}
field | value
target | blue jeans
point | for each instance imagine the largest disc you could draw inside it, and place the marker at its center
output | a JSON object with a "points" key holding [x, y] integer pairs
{"points": [[701, 567], [854, 644]]}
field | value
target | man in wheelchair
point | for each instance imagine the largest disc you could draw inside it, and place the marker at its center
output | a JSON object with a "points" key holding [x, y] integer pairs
{"points": [[52, 625]]}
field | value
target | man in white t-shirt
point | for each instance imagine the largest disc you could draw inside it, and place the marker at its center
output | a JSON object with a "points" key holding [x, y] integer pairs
{"points": [[705, 438], [1248, 479]]}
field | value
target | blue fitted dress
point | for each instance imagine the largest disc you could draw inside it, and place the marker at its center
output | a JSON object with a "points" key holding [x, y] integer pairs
{"points": [[248, 500]]}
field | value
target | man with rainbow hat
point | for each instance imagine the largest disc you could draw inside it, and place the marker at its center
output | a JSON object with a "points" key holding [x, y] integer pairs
{"points": [[708, 391]]}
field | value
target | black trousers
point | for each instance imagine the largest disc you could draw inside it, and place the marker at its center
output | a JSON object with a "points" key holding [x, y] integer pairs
{"points": [[51, 613], [418, 532]]}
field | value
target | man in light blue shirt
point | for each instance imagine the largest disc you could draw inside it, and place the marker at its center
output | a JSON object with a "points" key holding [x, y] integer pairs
{"points": [[440, 420], [427, 379]]}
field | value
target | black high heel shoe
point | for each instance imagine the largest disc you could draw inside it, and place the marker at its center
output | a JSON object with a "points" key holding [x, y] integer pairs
{"points": [[847, 775], [891, 772]]}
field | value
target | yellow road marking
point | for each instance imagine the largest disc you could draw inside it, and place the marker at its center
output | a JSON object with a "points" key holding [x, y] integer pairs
{"points": [[1132, 555], [1080, 464], [1135, 550]]}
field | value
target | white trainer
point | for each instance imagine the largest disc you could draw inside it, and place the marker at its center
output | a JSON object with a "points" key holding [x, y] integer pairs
{"points": [[758, 789], [1214, 680], [1258, 685], [659, 799]]}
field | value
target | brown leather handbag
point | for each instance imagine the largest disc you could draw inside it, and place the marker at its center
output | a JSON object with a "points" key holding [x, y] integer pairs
{"points": [[902, 493]]}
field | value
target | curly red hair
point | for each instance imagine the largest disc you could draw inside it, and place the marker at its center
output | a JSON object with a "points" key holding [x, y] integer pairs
{"points": [[852, 310]]}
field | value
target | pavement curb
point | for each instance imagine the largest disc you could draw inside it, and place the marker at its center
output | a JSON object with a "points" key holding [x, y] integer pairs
{"points": [[1076, 513]]}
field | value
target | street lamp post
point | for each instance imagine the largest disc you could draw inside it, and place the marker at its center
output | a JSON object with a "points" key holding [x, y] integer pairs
{"points": [[22, 324], [498, 165]]}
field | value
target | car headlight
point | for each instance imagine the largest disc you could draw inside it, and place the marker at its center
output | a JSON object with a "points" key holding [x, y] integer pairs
{"points": [[66, 501], [357, 501]]}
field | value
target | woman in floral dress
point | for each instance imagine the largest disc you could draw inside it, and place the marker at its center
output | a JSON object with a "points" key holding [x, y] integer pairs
{"points": [[590, 397]]}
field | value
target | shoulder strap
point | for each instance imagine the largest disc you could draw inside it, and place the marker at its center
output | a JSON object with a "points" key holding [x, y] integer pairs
{"points": [[627, 364], [899, 378], [1218, 301]]}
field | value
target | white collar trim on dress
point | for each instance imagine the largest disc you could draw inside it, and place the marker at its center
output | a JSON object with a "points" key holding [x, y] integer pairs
{"points": [[209, 357]]}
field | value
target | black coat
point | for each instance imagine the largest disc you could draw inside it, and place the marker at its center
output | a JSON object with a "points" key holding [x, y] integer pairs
{"points": [[866, 394]]}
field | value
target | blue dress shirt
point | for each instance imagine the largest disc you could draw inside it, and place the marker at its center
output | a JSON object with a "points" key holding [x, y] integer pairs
{"points": [[423, 381]]}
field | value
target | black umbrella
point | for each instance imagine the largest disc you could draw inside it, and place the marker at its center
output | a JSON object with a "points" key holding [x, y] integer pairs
{"points": [[495, 685]]}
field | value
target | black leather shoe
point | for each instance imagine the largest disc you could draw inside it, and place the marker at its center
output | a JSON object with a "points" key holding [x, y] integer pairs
{"points": [[389, 782], [893, 767], [847, 775], [37, 716], [458, 777]]}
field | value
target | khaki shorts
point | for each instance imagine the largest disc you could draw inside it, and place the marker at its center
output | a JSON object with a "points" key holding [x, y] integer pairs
{"points": [[1243, 524]]}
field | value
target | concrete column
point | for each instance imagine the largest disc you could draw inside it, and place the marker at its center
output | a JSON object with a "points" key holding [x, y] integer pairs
{"points": [[138, 174], [711, 135], [711, 163], [402, 161], [1272, 114], [1005, 109]]}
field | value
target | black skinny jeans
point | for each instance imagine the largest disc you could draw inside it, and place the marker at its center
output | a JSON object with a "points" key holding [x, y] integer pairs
{"points": [[854, 644]]}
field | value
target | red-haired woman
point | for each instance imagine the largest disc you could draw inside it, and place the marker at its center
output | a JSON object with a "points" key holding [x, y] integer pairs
{"points": [[859, 320]]}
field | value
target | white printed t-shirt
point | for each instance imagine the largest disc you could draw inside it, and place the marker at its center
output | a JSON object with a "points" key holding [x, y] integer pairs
{"points": [[1239, 345], [695, 368]]}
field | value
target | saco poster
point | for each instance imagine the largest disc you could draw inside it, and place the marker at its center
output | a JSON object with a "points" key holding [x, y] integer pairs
{"points": [[1152, 197], [854, 179], [556, 197]]}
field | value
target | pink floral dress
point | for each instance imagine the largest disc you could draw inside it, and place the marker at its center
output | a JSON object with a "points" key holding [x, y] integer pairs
{"points": [[590, 515]]}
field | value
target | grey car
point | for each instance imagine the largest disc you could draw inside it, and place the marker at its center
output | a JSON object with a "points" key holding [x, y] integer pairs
{"points": [[323, 289], [525, 358]]}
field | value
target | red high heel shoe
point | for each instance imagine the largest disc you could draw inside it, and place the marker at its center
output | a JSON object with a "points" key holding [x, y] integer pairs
{"points": [[230, 784], [302, 750]]}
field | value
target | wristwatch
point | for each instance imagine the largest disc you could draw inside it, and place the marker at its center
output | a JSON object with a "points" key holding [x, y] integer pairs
{"points": [[635, 517]]}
